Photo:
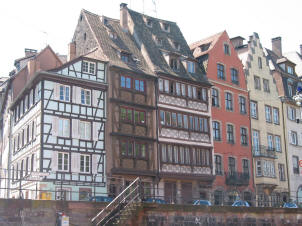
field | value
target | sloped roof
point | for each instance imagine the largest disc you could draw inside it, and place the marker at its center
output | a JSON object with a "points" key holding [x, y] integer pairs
{"points": [[112, 47], [146, 37], [297, 59], [209, 40]]}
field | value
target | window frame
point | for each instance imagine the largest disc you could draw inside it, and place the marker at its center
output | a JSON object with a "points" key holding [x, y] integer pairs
{"points": [[88, 71], [221, 71], [64, 154], [230, 135], [268, 114], [86, 123], [85, 164], [256, 110], [84, 100], [215, 98], [229, 102], [234, 74], [244, 136]]}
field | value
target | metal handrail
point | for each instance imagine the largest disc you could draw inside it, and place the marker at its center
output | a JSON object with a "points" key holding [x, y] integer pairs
{"points": [[115, 202]]}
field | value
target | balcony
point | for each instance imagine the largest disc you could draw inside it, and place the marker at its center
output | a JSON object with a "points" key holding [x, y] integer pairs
{"points": [[237, 179], [263, 151]]}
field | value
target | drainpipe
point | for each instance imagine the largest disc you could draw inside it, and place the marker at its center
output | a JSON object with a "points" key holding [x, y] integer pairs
{"points": [[157, 142], [285, 149]]}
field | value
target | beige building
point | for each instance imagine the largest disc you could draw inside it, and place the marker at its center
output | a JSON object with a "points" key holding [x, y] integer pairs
{"points": [[268, 142]]}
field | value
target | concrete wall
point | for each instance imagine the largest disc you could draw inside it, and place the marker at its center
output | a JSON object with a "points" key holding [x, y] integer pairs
{"points": [[15, 212]]}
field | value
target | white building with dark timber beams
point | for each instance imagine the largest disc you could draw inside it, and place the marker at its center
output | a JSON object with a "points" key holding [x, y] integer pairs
{"points": [[58, 131]]}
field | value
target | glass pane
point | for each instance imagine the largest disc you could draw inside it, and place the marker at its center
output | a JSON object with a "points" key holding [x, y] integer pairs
{"points": [[128, 83], [142, 86], [123, 81], [67, 93], [137, 84], [130, 148]]}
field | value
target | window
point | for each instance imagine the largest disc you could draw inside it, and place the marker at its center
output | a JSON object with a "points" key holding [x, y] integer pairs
{"points": [[64, 127], [254, 109], [245, 167], [281, 172], [296, 164], [161, 84], [85, 130], [268, 114], [85, 163], [163, 153], [174, 120], [266, 85], [194, 92], [176, 45], [290, 70], [89, 67], [64, 93], [183, 90], [162, 117], [63, 161], [166, 27], [170, 153], [216, 130], [139, 85], [31, 97], [126, 148], [256, 141], [226, 49], [159, 41], [218, 165], [242, 105], [190, 91], [220, 71], [218, 198], [174, 63], [228, 101], [257, 83], [177, 85], [85, 96], [168, 118], [139, 117], [126, 114], [234, 76], [230, 133], [270, 142], [179, 120], [294, 138], [258, 168], [268, 169], [243, 135], [26, 103], [232, 165], [126, 82], [276, 115], [291, 113], [215, 97], [191, 67], [166, 86], [278, 143], [290, 89], [259, 62], [124, 58], [149, 22]]}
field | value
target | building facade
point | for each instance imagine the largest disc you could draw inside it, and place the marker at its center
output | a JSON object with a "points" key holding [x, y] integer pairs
{"points": [[266, 111], [230, 115], [287, 81]]}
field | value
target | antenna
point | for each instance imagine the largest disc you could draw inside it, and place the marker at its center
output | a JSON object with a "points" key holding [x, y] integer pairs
{"points": [[155, 10]]}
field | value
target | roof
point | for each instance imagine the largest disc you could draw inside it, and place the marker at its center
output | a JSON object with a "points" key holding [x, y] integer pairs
{"points": [[147, 36], [209, 40], [297, 59], [111, 48]]}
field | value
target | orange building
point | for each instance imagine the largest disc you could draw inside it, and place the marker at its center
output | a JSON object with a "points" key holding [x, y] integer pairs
{"points": [[230, 119]]}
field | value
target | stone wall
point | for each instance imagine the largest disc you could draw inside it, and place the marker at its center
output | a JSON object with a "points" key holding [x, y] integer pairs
{"points": [[15, 212]]}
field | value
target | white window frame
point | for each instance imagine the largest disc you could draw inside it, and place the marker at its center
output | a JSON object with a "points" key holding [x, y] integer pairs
{"points": [[64, 127], [83, 130], [276, 118], [64, 156], [86, 164], [191, 66], [85, 100], [90, 68], [64, 93], [293, 138], [277, 140]]}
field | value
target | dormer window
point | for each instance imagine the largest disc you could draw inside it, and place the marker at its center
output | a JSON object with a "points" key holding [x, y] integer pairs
{"points": [[176, 45], [88, 67], [191, 67], [226, 49], [159, 41], [174, 63], [290, 70], [149, 23], [165, 27], [112, 35], [205, 47], [124, 57]]}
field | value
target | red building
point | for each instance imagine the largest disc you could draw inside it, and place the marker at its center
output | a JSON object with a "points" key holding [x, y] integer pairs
{"points": [[230, 118]]}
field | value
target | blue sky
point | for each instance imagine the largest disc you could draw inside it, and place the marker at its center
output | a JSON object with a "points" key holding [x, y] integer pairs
{"points": [[34, 23]]}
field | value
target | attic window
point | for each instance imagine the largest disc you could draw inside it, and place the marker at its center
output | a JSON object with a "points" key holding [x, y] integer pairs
{"points": [[125, 57], [290, 70], [159, 41], [191, 67], [176, 45], [174, 64], [112, 35], [226, 49], [205, 47], [166, 27], [149, 23]]}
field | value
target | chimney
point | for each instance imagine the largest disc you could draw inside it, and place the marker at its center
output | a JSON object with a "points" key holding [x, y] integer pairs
{"points": [[276, 46], [124, 16], [237, 41], [301, 49], [30, 52], [71, 51]]}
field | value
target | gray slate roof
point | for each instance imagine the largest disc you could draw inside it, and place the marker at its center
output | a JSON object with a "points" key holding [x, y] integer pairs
{"points": [[111, 47]]}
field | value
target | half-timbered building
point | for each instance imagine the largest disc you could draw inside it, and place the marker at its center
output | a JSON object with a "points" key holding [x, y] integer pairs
{"points": [[131, 122], [58, 130]]}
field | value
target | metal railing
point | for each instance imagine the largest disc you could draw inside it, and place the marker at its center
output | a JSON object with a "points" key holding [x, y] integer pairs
{"points": [[263, 151], [237, 178], [127, 197]]}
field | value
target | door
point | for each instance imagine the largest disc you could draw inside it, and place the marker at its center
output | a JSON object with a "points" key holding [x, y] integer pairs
{"points": [[170, 192], [186, 193]]}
